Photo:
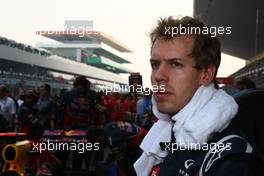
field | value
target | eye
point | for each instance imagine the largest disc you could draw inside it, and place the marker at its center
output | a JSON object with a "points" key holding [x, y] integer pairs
{"points": [[154, 65], [176, 64]]}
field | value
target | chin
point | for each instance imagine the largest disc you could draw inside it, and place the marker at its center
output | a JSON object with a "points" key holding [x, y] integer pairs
{"points": [[165, 108]]}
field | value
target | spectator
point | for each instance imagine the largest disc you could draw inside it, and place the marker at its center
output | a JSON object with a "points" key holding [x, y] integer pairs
{"points": [[28, 117], [245, 84], [130, 107], [139, 109], [45, 107], [20, 98], [145, 113], [7, 107]]}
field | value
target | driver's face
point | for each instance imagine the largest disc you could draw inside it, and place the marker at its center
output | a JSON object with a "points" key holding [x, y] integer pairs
{"points": [[173, 67]]}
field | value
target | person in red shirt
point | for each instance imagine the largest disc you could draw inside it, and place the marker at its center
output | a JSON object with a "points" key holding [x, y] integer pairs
{"points": [[121, 111]]}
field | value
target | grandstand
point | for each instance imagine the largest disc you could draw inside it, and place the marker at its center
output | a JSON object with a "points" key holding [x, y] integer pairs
{"points": [[247, 38], [254, 70], [90, 47], [24, 66]]}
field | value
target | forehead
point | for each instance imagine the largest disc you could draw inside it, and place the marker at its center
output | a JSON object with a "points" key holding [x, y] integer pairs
{"points": [[177, 47]]}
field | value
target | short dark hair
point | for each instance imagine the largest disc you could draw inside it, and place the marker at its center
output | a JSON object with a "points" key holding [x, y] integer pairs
{"points": [[46, 87], [82, 81], [31, 94], [4, 88], [248, 83], [206, 50]]}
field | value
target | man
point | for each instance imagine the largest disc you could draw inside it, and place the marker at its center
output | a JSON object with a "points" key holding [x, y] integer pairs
{"points": [[124, 139], [28, 116], [45, 107], [20, 98], [79, 105], [144, 111], [81, 111], [245, 84], [190, 110], [7, 108]]}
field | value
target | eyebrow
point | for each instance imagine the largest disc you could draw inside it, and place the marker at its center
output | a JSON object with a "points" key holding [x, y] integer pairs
{"points": [[167, 60]]}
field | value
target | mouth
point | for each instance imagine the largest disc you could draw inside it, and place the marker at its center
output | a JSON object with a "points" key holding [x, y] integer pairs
{"points": [[162, 95]]}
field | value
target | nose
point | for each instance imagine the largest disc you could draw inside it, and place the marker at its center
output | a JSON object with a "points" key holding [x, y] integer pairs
{"points": [[161, 74]]}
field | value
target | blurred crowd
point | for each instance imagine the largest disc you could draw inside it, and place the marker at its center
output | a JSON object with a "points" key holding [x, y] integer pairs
{"points": [[32, 111]]}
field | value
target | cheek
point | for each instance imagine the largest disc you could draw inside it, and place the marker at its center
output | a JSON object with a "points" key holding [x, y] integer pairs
{"points": [[152, 78], [185, 83], [178, 79]]}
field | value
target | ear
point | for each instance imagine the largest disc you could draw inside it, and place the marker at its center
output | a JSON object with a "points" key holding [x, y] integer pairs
{"points": [[208, 75]]}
